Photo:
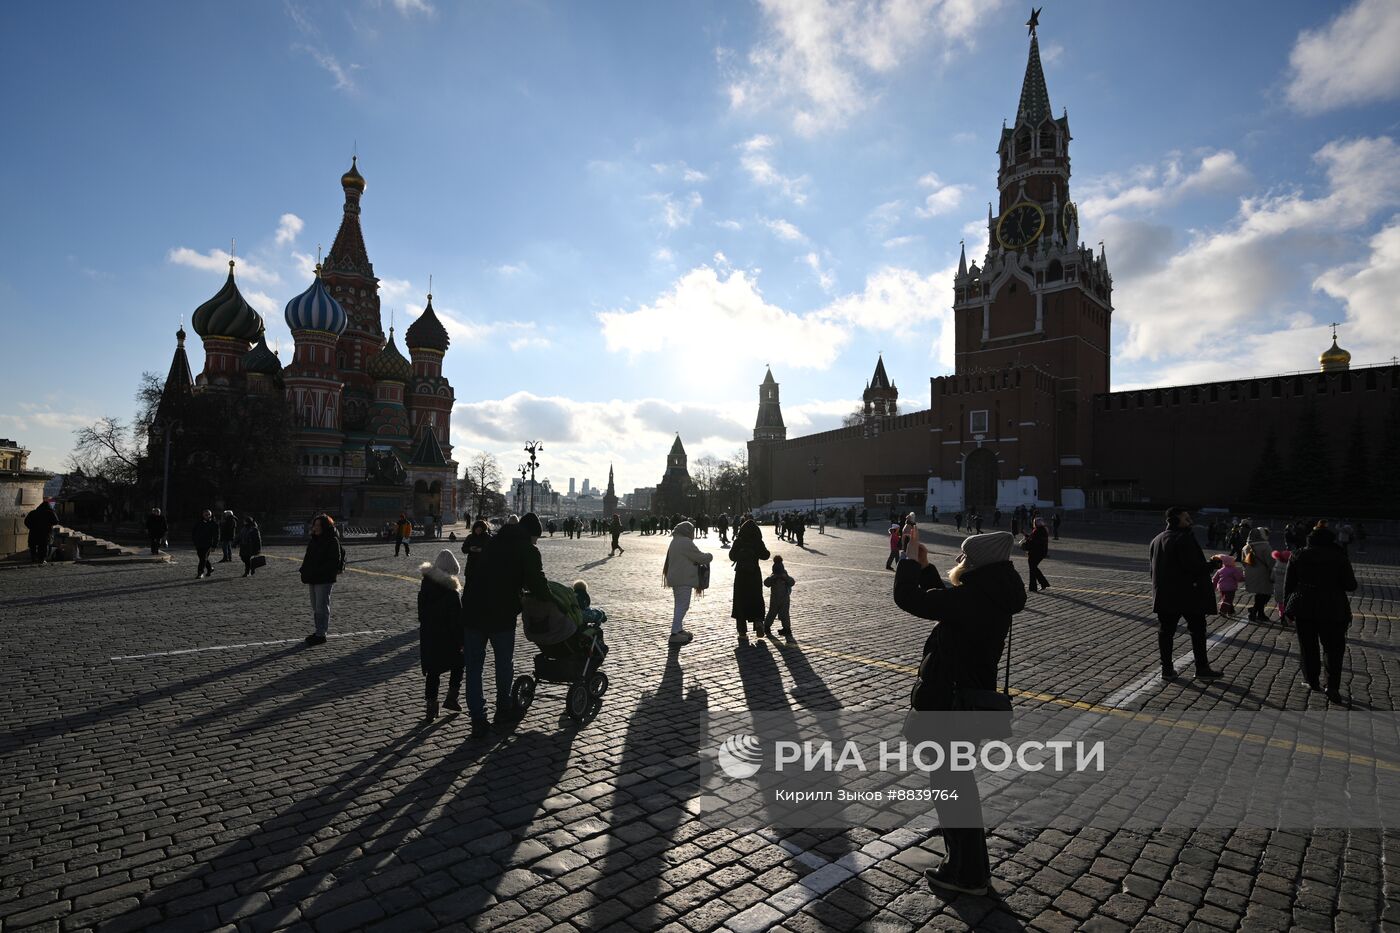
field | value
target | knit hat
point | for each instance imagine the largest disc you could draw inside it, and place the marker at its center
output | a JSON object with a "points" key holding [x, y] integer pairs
{"points": [[531, 523], [991, 548], [446, 561]]}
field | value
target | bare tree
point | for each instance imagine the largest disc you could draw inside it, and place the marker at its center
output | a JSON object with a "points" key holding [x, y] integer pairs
{"points": [[855, 418], [484, 476], [107, 451], [704, 472]]}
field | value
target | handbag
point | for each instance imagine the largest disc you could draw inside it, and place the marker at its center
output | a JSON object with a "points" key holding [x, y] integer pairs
{"points": [[702, 572], [257, 562], [970, 700]]}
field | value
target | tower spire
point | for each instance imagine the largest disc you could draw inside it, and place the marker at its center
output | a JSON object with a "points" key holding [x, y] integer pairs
{"points": [[1035, 99], [962, 258]]}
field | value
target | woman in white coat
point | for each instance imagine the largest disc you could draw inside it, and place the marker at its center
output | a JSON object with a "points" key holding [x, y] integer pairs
{"points": [[682, 573]]}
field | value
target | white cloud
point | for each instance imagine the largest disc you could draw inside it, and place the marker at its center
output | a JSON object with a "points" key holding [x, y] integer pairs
{"points": [[898, 242], [824, 276], [818, 55], [331, 65], [287, 229], [1351, 60], [663, 254], [754, 159], [680, 170], [216, 260], [410, 7], [677, 212], [882, 219], [393, 292], [1246, 278], [1368, 290], [729, 224], [723, 318], [895, 300], [530, 343], [784, 230], [510, 270], [963, 137], [1147, 187], [941, 199]]}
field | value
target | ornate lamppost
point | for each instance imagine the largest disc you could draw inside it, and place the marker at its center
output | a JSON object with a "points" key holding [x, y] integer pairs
{"points": [[532, 448]]}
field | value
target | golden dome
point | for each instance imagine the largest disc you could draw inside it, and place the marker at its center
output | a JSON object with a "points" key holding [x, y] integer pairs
{"points": [[1334, 357], [353, 178]]}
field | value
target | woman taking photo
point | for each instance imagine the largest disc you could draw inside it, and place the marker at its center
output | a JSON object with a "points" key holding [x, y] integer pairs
{"points": [[972, 617]]}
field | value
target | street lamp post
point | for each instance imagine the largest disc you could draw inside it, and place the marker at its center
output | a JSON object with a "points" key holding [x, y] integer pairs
{"points": [[532, 448], [520, 496], [815, 464], [167, 428]]}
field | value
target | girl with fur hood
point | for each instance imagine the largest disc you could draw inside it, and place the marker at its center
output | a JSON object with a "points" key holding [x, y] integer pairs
{"points": [[440, 630], [681, 572]]}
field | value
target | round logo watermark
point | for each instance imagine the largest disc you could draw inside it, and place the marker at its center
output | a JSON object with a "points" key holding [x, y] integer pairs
{"points": [[740, 756]]}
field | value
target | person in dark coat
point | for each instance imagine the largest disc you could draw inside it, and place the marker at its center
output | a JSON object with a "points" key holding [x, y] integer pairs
{"points": [[249, 545], [509, 565], [748, 607], [205, 535], [1037, 549], [615, 529], [324, 561], [440, 631], [228, 534], [1055, 526], [1319, 578], [156, 528], [973, 619], [40, 521], [1181, 588], [473, 545]]}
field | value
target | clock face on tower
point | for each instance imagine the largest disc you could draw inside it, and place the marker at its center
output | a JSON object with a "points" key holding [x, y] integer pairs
{"points": [[1020, 225], [1069, 219]]}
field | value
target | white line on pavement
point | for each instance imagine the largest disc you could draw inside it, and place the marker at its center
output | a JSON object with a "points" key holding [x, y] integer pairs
{"points": [[1137, 688], [246, 644]]}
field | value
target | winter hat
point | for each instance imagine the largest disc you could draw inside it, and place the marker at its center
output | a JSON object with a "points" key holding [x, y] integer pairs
{"points": [[446, 561], [990, 548], [1227, 560], [684, 530], [531, 523]]}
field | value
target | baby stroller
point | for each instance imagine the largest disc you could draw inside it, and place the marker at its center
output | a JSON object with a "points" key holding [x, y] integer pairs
{"points": [[571, 652]]}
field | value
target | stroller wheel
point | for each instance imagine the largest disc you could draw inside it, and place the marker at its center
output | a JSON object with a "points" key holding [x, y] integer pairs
{"points": [[598, 684], [577, 702], [523, 692]]}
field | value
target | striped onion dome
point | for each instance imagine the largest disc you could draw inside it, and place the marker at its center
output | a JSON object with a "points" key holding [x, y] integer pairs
{"points": [[427, 332], [389, 365], [261, 359], [227, 314], [315, 309]]}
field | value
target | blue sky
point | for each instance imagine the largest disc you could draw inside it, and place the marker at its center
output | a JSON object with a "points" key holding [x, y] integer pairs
{"points": [[629, 208]]}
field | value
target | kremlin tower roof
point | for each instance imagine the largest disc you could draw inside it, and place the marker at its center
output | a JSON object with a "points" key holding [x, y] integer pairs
{"points": [[315, 309], [389, 365], [227, 314], [1334, 358], [427, 332], [353, 179]]}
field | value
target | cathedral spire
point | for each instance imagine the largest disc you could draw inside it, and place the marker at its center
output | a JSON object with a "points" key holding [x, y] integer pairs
{"points": [[1035, 99], [962, 260], [347, 252]]}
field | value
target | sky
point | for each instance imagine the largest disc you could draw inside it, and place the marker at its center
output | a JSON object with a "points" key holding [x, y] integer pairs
{"points": [[629, 209]]}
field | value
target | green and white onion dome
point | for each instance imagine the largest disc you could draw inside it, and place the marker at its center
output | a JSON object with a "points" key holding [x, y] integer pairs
{"points": [[227, 314]]}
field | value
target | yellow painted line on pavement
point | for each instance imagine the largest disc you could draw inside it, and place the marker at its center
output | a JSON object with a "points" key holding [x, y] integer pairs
{"points": [[1142, 717], [368, 573]]}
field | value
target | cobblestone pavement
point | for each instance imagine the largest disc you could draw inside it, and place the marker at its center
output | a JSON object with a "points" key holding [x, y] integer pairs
{"points": [[175, 758]]}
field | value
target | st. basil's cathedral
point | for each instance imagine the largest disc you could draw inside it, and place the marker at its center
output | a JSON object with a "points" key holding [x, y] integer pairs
{"points": [[372, 428]]}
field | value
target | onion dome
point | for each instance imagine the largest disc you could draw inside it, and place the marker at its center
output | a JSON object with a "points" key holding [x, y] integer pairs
{"points": [[388, 365], [353, 178], [315, 309], [1334, 358], [261, 359], [227, 314], [427, 332]]}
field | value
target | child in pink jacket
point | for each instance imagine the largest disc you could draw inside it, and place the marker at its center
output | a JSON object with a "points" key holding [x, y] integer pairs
{"points": [[1227, 579]]}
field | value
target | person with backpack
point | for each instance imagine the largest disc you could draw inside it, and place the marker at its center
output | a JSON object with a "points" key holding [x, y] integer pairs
{"points": [[681, 572], [403, 533], [323, 562], [973, 613], [40, 521]]}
